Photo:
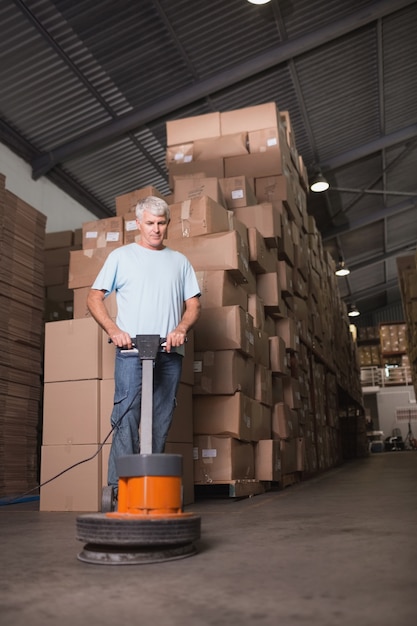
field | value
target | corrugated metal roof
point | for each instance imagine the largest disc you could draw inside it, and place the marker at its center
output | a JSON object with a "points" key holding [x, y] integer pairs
{"points": [[77, 75]]}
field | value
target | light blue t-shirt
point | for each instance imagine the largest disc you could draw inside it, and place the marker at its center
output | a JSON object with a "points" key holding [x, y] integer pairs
{"points": [[151, 287]]}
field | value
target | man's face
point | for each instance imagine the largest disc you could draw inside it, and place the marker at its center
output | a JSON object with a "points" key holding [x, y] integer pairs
{"points": [[153, 230]]}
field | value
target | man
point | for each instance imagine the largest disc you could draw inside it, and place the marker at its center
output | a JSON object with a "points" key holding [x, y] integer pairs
{"points": [[157, 293]]}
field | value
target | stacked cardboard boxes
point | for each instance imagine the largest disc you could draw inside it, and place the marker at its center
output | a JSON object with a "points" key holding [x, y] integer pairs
{"points": [[22, 234], [78, 400], [246, 161], [58, 296]]}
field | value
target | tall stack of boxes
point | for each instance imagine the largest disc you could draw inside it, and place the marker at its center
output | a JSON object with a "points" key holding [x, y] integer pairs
{"points": [[22, 235], [59, 301], [302, 351]]}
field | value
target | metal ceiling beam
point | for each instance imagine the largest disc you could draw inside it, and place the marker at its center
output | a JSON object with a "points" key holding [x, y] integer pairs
{"points": [[274, 56], [371, 218], [382, 143], [370, 292], [380, 257]]}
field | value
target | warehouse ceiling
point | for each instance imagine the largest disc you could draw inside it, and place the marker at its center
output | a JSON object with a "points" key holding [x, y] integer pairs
{"points": [[87, 87]]}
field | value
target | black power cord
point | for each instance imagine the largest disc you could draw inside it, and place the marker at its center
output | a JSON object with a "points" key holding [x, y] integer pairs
{"points": [[17, 499]]}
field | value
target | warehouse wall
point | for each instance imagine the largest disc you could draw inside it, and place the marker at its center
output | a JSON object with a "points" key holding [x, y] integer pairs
{"points": [[62, 211], [388, 401]]}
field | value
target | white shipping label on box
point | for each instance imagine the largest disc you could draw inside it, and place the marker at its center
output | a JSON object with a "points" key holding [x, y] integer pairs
{"points": [[208, 453], [112, 236], [91, 235], [237, 194], [130, 225]]}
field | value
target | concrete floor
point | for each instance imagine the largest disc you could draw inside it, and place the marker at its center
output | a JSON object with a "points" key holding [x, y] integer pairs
{"points": [[337, 550]]}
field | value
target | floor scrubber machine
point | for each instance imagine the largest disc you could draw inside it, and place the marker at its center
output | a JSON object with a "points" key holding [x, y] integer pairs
{"points": [[149, 524]]}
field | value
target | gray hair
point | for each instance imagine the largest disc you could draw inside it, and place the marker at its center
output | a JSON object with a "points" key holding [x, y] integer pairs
{"points": [[154, 205]]}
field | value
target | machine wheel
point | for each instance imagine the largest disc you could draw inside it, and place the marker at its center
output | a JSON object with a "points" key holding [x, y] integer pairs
{"points": [[124, 541], [101, 529], [108, 500]]}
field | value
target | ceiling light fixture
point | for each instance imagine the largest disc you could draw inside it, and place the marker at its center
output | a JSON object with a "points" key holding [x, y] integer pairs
{"points": [[259, 1], [353, 311], [341, 269], [319, 184]]}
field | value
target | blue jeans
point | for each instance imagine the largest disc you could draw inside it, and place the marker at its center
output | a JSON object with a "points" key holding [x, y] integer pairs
{"points": [[126, 414]]}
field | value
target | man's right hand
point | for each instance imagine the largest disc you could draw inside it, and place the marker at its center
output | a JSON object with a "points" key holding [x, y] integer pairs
{"points": [[121, 339]]}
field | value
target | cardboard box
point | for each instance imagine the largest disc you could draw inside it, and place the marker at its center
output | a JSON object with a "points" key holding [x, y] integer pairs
{"points": [[73, 350], [291, 389], [271, 163], [131, 232], [269, 290], [76, 490], [219, 251], [224, 328], [181, 430], [268, 139], [189, 129], [224, 146], [57, 275], [285, 273], [249, 118], [106, 390], [277, 189], [218, 288], [103, 233], [285, 242], [261, 421], [197, 216], [182, 153], [278, 356], [222, 459], [261, 347], [264, 217], [187, 372], [289, 456], [186, 451], [84, 265], [126, 203], [287, 329], [237, 191], [211, 168], [80, 309], [71, 412], [61, 239], [263, 384], [191, 188], [285, 423], [256, 309], [223, 415], [107, 356], [261, 258], [268, 460], [105, 452], [222, 372]]}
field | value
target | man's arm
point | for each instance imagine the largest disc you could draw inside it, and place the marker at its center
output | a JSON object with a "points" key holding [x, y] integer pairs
{"points": [[177, 337], [98, 310]]}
